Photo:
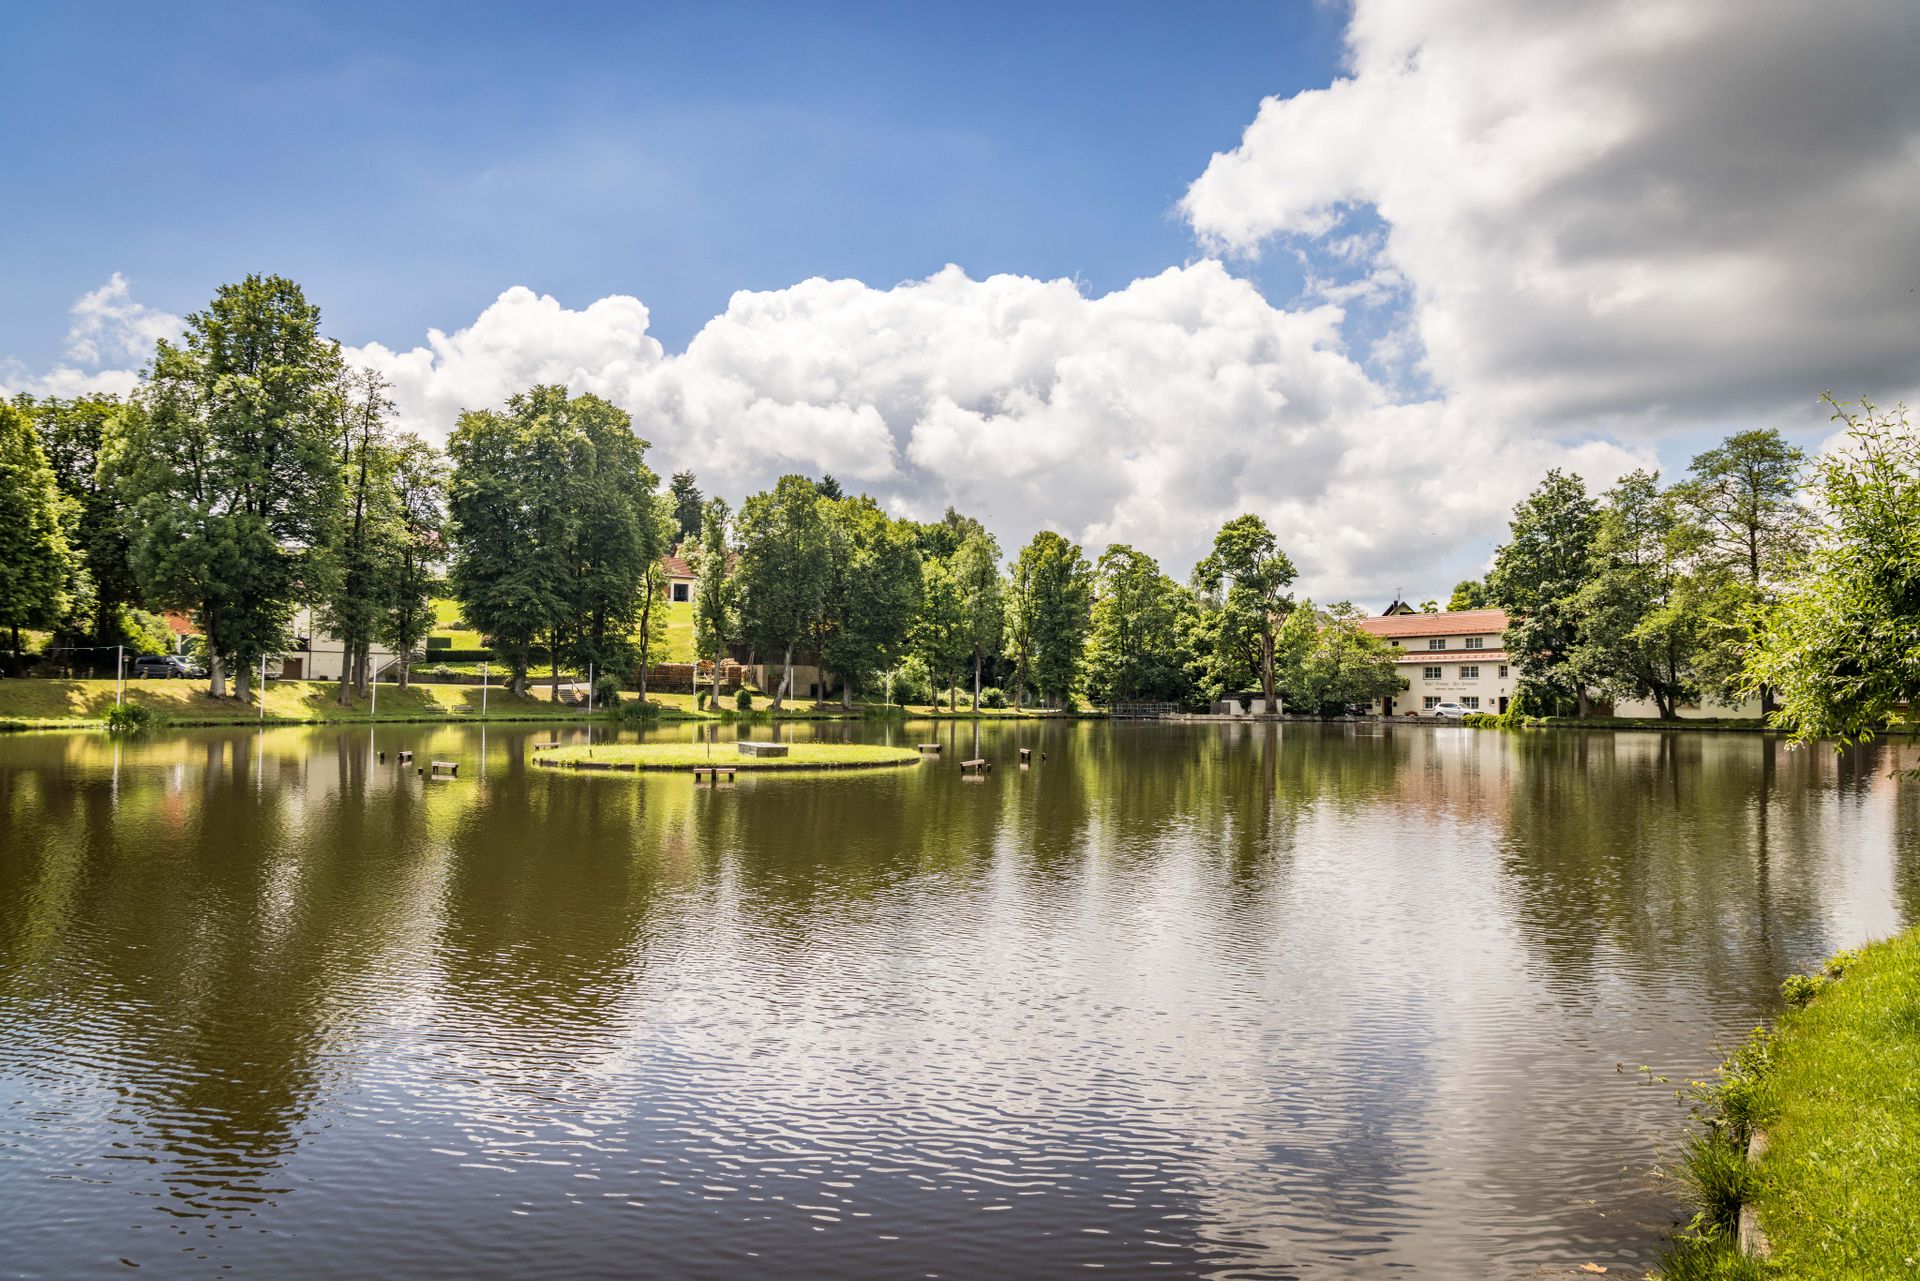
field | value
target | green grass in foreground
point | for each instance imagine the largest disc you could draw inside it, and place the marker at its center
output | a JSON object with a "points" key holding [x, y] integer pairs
{"points": [[52, 704], [680, 756], [1836, 1089]]}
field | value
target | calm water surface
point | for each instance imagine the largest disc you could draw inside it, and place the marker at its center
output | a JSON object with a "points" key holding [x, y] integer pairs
{"points": [[1179, 1001]]}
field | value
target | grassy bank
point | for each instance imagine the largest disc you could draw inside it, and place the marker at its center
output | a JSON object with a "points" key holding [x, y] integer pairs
{"points": [[1835, 1091], [684, 756], [54, 704]]}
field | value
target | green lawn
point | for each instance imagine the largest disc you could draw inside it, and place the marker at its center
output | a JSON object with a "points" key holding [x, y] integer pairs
{"points": [[679, 632], [55, 703], [1839, 1187], [1835, 1090], [447, 623], [682, 756]]}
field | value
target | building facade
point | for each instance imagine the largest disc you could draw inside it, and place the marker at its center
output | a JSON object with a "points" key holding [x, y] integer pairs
{"points": [[1456, 657]]}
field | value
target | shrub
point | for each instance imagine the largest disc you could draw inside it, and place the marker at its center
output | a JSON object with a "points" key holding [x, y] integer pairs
{"points": [[992, 697], [1801, 988], [127, 718], [744, 699], [606, 691], [636, 711]]}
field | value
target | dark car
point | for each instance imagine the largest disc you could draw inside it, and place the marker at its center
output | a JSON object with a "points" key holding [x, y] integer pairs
{"points": [[165, 665]]}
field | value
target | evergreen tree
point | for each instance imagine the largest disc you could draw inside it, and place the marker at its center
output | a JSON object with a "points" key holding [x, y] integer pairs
{"points": [[688, 509]]}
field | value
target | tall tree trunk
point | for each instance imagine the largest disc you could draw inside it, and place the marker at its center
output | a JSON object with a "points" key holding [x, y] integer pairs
{"points": [[553, 661], [404, 661], [846, 695], [976, 678], [216, 675], [786, 678], [18, 662], [346, 679], [1581, 705], [243, 681]]}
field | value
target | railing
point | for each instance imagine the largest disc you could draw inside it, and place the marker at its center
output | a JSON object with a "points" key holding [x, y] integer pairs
{"points": [[1143, 711]]}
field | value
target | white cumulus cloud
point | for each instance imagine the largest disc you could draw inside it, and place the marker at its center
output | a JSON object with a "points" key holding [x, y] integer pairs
{"points": [[1644, 213]]}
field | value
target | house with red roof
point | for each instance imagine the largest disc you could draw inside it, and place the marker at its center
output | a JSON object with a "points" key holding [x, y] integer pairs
{"points": [[1454, 657]]}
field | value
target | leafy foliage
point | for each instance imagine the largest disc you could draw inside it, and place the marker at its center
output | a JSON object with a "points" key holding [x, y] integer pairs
{"points": [[1049, 612], [1246, 575], [34, 557]]}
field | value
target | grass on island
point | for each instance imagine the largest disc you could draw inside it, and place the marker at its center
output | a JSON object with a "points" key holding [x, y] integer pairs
{"points": [[56, 704], [1836, 1090], [682, 756]]}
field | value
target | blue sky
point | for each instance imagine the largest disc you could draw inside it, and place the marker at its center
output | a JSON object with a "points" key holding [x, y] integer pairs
{"points": [[406, 163], [1365, 267]]}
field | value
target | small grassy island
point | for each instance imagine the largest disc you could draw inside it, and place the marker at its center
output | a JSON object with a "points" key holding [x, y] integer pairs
{"points": [[1835, 1093], [686, 756]]}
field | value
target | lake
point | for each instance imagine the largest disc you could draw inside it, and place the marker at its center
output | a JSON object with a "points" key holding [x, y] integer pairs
{"points": [[1180, 1000]]}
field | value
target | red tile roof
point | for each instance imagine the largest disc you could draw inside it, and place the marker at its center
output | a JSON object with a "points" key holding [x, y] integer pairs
{"points": [[675, 567], [1466, 622], [1451, 656]]}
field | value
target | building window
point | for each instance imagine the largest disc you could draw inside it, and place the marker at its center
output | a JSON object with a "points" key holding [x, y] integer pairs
{"points": [[1430, 673], [1469, 700], [1430, 702], [1438, 642], [1469, 673], [1476, 642], [680, 591], [1503, 671]]}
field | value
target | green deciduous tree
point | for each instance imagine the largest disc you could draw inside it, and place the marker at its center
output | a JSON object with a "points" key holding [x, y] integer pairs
{"points": [[871, 594], [650, 626], [618, 539], [1645, 606], [941, 637], [1469, 593], [1049, 612], [1744, 494], [1842, 646], [363, 555], [1329, 662], [514, 522], [983, 593], [419, 479], [80, 437], [1537, 577], [234, 470], [34, 556], [781, 575], [1134, 650], [1247, 576], [716, 619]]}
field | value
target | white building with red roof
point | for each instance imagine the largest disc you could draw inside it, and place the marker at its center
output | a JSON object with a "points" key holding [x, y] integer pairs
{"points": [[1456, 657]]}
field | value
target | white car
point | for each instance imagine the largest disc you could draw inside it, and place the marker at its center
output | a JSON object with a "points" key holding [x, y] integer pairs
{"points": [[1449, 711]]}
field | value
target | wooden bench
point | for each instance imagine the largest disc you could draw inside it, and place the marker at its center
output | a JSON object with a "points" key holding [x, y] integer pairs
{"points": [[445, 769], [935, 748], [546, 747], [978, 765], [748, 747], [406, 758], [1026, 756], [713, 773]]}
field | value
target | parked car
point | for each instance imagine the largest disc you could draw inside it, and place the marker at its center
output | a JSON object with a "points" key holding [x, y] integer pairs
{"points": [[1450, 711], [164, 666]]}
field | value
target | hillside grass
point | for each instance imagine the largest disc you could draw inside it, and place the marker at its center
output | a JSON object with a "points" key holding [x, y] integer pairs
{"points": [[56, 704], [684, 756]]}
